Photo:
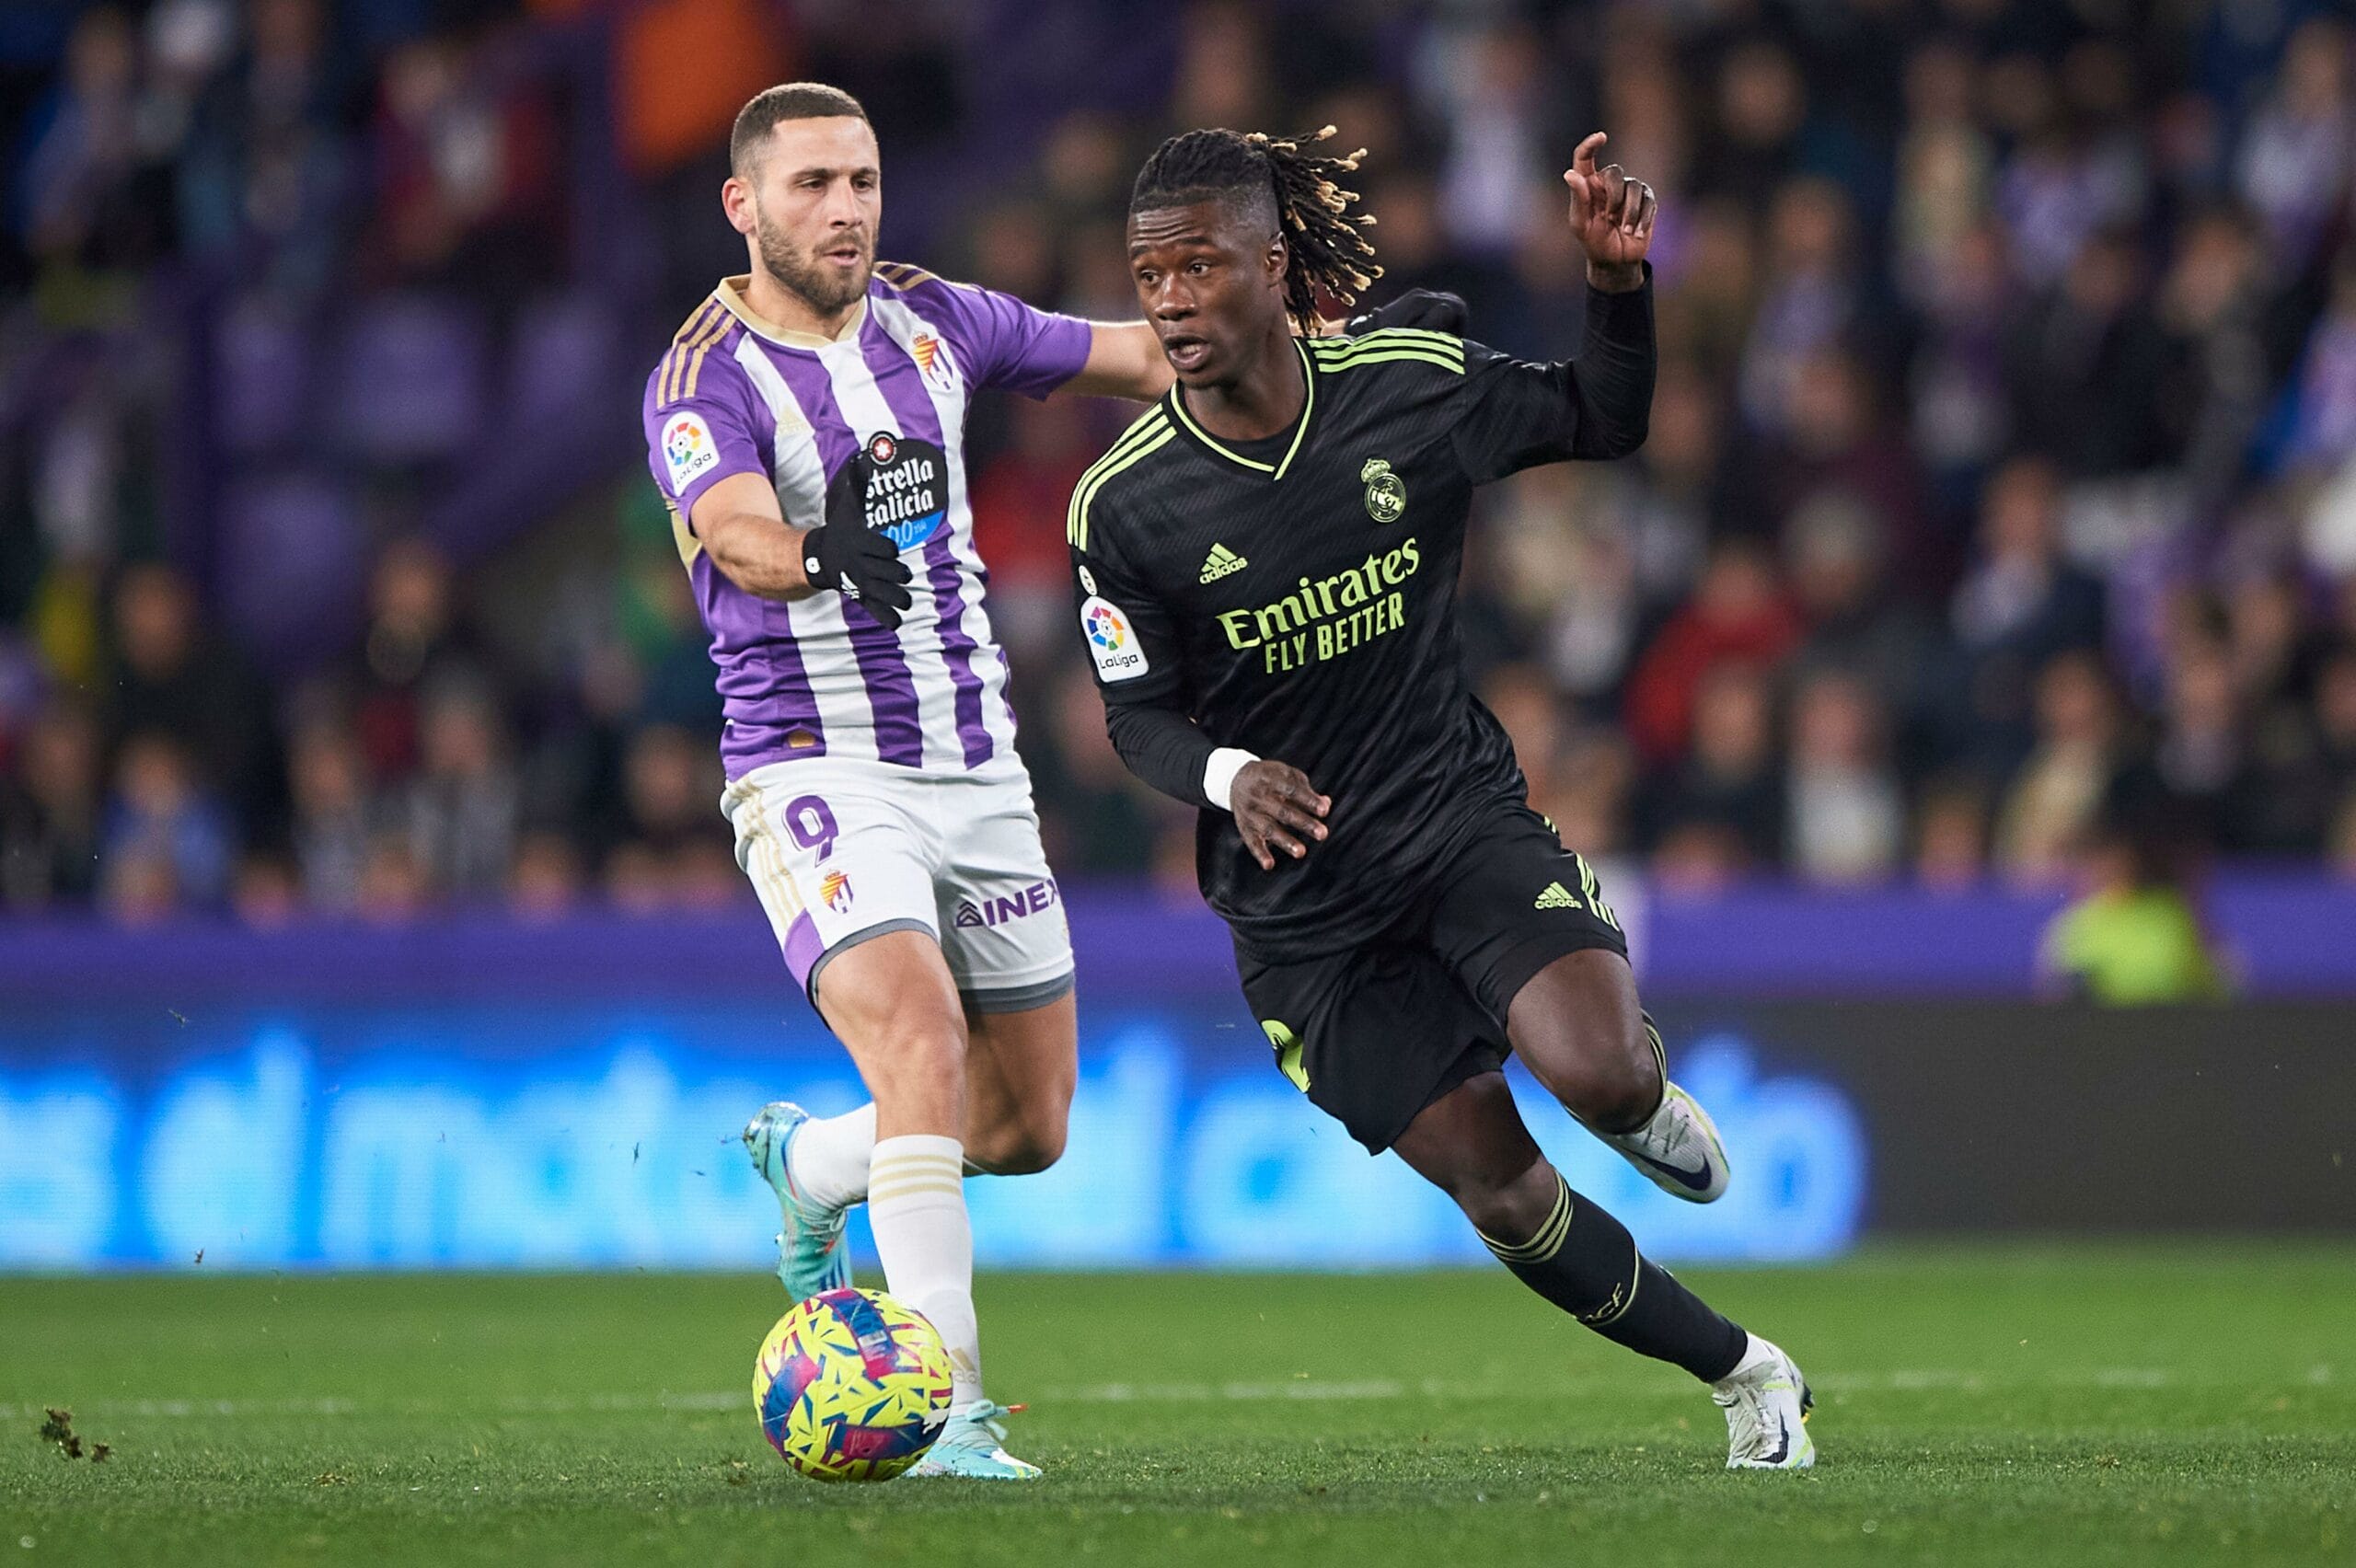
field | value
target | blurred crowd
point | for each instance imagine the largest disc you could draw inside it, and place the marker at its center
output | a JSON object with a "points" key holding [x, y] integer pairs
{"points": [[1998, 517]]}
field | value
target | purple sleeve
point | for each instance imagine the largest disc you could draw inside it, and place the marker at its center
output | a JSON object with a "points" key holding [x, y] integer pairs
{"points": [[692, 443], [1008, 346]]}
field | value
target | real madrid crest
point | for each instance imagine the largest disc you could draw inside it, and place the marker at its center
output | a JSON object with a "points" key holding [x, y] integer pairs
{"points": [[1386, 494]]}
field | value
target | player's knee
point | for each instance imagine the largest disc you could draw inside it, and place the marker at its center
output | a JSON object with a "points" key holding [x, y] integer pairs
{"points": [[1609, 1083], [1509, 1208], [1024, 1147], [1622, 1090], [914, 1067]]}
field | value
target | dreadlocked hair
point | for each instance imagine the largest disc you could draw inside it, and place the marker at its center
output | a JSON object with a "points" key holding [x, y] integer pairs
{"points": [[1327, 248]]}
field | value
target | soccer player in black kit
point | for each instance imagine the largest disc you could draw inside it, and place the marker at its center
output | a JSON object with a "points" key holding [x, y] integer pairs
{"points": [[1267, 563]]}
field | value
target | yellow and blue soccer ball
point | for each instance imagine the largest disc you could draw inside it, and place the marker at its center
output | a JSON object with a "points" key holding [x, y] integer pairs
{"points": [[852, 1385]]}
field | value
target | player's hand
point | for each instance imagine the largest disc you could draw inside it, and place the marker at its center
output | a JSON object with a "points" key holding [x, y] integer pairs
{"points": [[1428, 308], [1278, 811], [1612, 214], [858, 563]]}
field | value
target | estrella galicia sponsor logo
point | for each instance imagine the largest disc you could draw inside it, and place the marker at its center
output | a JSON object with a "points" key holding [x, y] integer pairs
{"points": [[1386, 492], [895, 485], [1016, 906]]}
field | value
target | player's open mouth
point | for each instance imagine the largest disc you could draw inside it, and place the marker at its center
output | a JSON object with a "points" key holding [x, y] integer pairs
{"points": [[1185, 353]]}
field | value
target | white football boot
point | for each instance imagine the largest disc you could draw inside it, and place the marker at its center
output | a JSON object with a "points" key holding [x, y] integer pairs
{"points": [[1678, 1150], [1767, 1404]]}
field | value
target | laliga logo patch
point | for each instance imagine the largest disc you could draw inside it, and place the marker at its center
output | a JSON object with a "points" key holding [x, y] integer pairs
{"points": [[896, 486], [1109, 643], [688, 451], [933, 363], [835, 892]]}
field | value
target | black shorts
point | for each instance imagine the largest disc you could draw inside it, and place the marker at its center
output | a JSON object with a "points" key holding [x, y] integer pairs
{"points": [[1375, 1034]]}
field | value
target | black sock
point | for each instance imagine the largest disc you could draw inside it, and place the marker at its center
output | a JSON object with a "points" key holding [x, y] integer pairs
{"points": [[1586, 1262]]}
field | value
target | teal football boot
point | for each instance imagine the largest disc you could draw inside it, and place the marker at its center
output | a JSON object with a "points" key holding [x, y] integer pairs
{"points": [[970, 1445], [811, 1253]]}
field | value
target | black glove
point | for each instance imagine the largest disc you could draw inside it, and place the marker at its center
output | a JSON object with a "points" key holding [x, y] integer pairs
{"points": [[1417, 307], [858, 563]]}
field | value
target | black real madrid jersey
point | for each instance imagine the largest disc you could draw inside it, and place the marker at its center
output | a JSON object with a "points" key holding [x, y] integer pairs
{"points": [[1295, 598]]}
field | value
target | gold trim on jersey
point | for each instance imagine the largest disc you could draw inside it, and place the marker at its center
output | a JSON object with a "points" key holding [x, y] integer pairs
{"points": [[683, 343], [1149, 433], [683, 536], [731, 293], [1300, 430], [903, 276]]}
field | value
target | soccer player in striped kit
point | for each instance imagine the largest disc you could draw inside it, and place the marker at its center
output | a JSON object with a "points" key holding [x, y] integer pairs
{"points": [[805, 427]]}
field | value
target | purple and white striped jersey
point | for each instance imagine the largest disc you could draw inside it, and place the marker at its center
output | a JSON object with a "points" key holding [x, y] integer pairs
{"points": [[874, 424]]}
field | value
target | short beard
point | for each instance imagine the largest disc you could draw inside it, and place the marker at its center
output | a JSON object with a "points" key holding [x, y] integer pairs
{"points": [[795, 272]]}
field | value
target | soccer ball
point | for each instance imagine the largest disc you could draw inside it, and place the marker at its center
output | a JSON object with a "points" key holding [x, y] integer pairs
{"points": [[851, 1386]]}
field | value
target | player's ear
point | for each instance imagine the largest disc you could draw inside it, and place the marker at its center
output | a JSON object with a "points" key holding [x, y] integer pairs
{"points": [[1277, 260], [736, 200]]}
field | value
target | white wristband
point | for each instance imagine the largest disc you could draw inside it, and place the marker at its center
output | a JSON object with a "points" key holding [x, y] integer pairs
{"points": [[1219, 773]]}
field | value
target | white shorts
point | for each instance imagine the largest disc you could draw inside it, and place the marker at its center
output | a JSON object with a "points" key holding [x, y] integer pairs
{"points": [[842, 850]]}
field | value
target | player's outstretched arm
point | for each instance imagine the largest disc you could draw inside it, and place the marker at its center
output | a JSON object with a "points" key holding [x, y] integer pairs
{"points": [[1124, 360], [739, 524]]}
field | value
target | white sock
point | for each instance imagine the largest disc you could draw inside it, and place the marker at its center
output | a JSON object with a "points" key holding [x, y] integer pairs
{"points": [[1757, 1351], [916, 1201], [831, 1157]]}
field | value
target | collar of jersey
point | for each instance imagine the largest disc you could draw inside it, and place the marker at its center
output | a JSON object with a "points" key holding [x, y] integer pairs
{"points": [[731, 294], [1300, 430]]}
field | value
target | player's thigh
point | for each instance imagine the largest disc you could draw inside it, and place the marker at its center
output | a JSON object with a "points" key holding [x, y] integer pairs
{"points": [[1525, 927], [891, 1003], [842, 866], [1373, 1036], [1021, 1069], [999, 912]]}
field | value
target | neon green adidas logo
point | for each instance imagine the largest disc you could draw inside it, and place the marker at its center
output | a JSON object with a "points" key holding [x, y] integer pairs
{"points": [[1557, 896], [1221, 562]]}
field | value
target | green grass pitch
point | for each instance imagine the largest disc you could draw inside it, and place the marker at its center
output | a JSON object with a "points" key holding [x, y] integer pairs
{"points": [[1977, 1405]]}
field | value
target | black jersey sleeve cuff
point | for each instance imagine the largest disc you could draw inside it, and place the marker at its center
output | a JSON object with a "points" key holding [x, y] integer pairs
{"points": [[1162, 746]]}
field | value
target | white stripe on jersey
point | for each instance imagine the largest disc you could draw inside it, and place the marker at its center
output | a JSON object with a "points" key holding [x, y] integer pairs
{"points": [[863, 404], [902, 325], [818, 630]]}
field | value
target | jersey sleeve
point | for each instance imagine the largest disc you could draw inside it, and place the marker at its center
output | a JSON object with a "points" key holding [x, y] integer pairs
{"points": [[1008, 345], [1130, 636], [1133, 646], [692, 443], [1513, 414]]}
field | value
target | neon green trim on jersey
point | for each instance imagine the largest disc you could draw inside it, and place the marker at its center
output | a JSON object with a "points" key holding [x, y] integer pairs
{"points": [[1300, 430], [1140, 431], [1390, 356], [1393, 335], [1095, 478]]}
